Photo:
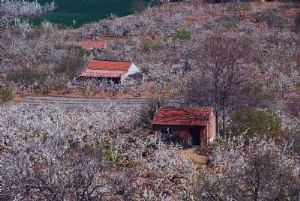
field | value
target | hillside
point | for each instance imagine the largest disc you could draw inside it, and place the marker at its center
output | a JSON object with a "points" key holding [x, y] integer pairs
{"points": [[231, 69], [155, 41], [75, 13]]}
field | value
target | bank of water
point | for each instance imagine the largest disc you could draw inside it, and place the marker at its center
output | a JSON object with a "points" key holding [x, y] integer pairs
{"points": [[74, 13]]}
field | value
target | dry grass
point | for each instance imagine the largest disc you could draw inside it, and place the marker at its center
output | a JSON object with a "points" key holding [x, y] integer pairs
{"points": [[193, 155]]}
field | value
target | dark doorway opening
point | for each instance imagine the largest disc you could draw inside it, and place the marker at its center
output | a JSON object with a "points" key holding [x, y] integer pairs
{"points": [[195, 135], [108, 80]]}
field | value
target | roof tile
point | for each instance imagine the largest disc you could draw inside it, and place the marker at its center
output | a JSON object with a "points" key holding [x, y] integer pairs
{"points": [[188, 116], [89, 44], [106, 69], [109, 65]]}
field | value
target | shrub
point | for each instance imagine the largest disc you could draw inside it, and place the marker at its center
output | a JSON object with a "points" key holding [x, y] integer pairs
{"points": [[183, 34], [247, 40], [70, 64], [114, 156], [145, 70], [87, 91], [149, 45], [146, 115], [27, 76], [6, 94], [238, 6], [272, 38], [297, 86], [293, 109], [289, 5], [256, 123], [293, 136], [297, 22], [229, 23], [272, 20], [262, 170]]}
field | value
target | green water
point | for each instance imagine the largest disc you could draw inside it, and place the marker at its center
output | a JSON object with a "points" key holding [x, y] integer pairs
{"points": [[77, 12]]}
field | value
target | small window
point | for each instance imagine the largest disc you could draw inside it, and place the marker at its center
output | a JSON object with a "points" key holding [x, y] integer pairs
{"points": [[166, 130]]}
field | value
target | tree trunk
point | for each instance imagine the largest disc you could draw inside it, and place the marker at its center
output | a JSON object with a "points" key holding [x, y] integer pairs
{"points": [[223, 123], [217, 124], [224, 115]]}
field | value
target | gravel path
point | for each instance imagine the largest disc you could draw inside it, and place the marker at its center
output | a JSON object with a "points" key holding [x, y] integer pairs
{"points": [[82, 102]]}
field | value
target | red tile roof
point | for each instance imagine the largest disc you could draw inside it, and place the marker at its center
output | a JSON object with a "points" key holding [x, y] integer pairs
{"points": [[89, 44], [109, 65], [106, 69], [188, 116]]}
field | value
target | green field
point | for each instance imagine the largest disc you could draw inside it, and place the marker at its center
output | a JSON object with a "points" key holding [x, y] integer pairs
{"points": [[77, 12]]}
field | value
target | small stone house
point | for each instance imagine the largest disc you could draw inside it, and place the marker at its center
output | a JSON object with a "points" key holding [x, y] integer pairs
{"points": [[196, 126]]}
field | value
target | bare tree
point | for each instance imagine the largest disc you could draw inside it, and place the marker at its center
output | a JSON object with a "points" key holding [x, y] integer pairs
{"points": [[260, 170], [223, 79]]}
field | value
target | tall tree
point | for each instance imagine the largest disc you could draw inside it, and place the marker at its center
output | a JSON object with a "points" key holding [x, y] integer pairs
{"points": [[223, 79]]}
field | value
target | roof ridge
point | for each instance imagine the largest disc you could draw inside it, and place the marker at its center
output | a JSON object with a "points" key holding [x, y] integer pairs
{"points": [[94, 59], [189, 115]]}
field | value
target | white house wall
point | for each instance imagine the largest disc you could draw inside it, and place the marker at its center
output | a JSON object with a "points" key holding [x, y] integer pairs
{"points": [[212, 126], [132, 70]]}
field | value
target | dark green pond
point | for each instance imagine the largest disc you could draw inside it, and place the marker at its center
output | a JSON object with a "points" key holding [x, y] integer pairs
{"points": [[77, 12]]}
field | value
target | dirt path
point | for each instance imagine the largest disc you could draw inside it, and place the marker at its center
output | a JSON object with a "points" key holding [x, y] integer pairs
{"points": [[79, 101], [192, 155]]}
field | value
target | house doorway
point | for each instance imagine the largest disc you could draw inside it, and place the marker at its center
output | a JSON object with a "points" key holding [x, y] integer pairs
{"points": [[195, 135]]}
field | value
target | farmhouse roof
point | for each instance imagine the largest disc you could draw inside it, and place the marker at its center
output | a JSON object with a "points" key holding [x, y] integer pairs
{"points": [[106, 69], [188, 116], [93, 44], [109, 65]]}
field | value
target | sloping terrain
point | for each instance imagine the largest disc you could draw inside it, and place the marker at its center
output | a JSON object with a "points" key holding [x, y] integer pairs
{"points": [[166, 43]]}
